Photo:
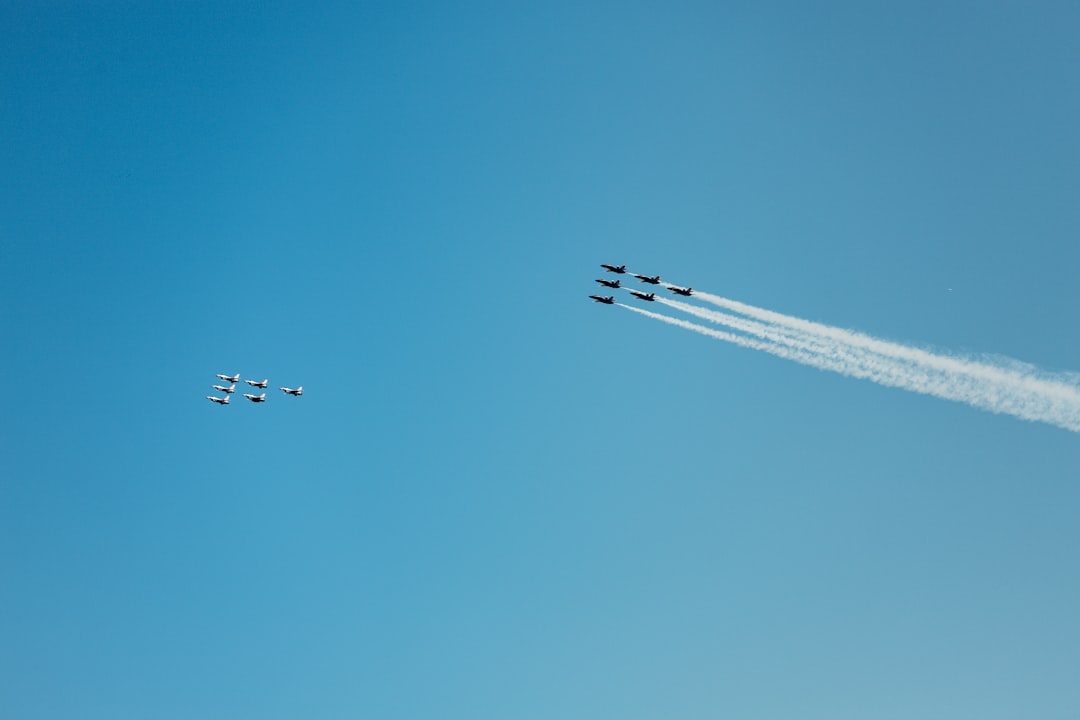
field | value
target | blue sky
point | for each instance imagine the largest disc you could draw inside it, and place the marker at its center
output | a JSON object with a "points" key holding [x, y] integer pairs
{"points": [[496, 499]]}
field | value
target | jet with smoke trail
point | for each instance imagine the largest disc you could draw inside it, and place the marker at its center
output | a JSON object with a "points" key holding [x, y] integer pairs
{"points": [[1012, 388]]}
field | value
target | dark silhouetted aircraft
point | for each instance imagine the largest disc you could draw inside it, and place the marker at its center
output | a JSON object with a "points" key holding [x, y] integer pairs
{"points": [[646, 279], [610, 283], [289, 391], [686, 292], [643, 296], [614, 268], [609, 300], [256, 398]]}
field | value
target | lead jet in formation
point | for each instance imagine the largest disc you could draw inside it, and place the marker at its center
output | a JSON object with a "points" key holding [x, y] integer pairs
{"points": [[256, 398], [256, 383], [289, 391], [234, 379], [685, 292], [655, 280], [610, 283], [614, 268], [643, 296], [609, 300], [218, 400], [228, 390]]}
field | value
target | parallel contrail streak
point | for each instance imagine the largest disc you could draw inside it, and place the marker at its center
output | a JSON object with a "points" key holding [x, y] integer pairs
{"points": [[799, 355], [988, 387], [1063, 389]]}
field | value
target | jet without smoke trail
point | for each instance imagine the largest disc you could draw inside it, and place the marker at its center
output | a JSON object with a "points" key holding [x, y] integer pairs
{"points": [[998, 389]]}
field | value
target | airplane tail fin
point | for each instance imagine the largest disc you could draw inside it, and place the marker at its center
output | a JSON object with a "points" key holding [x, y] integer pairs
{"points": [[300, 390], [225, 401]]}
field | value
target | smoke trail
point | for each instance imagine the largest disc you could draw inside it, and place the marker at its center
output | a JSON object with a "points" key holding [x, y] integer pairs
{"points": [[800, 355], [849, 361], [997, 389], [1059, 387]]}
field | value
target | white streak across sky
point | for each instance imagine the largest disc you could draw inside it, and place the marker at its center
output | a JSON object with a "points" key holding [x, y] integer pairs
{"points": [[1001, 386]]}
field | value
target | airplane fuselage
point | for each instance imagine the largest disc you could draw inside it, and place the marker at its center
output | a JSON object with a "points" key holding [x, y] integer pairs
{"points": [[650, 297], [651, 280], [610, 283], [614, 268], [609, 300]]}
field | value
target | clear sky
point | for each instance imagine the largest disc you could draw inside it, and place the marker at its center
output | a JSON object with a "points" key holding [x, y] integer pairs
{"points": [[496, 499]]}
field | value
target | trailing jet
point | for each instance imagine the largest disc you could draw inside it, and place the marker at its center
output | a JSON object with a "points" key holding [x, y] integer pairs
{"points": [[646, 279], [229, 390], [643, 296], [610, 283], [614, 268], [289, 391], [609, 300], [256, 398], [234, 379], [685, 292], [256, 383], [218, 400]]}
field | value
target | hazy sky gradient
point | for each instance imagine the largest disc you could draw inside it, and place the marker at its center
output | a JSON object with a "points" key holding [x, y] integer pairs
{"points": [[497, 499]]}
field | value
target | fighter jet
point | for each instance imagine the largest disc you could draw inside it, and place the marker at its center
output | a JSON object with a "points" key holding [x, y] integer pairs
{"points": [[218, 400], [229, 390], [256, 398], [646, 279], [609, 300], [686, 292], [614, 268], [643, 296], [289, 391], [256, 383], [610, 283], [234, 379]]}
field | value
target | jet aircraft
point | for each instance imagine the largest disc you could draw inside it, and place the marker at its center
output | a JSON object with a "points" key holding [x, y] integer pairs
{"points": [[218, 400], [256, 383], [256, 398], [234, 379], [289, 391], [686, 292], [221, 388], [646, 279], [610, 283], [614, 268], [644, 296], [609, 300]]}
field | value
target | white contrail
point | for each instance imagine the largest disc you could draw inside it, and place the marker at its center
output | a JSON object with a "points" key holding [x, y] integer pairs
{"points": [[842, 359], [1024, 394], [788, 352], [1027, 379], [766, 331]]}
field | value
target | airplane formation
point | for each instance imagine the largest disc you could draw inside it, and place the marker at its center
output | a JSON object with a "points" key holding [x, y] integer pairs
{"points": [[648, 279], [261, 384]]}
